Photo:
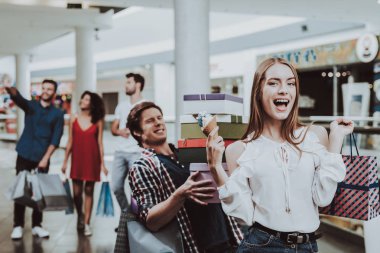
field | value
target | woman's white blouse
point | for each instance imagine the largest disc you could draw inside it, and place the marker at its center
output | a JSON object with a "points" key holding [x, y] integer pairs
{"points": [[279, 188]]}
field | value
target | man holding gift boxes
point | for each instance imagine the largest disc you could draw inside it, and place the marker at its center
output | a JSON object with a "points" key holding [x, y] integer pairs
{"points": [[165, 190]]}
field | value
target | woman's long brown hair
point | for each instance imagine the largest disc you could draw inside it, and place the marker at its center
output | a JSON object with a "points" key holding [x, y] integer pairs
{"points": [[256, 119]]}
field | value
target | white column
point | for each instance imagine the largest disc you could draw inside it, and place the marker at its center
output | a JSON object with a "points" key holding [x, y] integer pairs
{"points": [[247, 84], [191, 50], [164, 95], [372, 235], [23, 86], [85, 64]]}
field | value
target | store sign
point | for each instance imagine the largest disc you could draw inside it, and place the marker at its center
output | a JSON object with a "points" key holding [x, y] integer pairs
{"points": [[339, 53], [367, 47]]}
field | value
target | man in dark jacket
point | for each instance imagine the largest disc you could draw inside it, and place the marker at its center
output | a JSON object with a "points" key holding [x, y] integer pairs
{"points": [[40, 137]]}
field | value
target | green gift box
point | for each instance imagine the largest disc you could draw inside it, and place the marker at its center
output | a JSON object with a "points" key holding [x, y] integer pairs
{"points": [[233, 131]]}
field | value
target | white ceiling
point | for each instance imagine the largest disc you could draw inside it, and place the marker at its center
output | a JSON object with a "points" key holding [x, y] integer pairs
{"points": [[338, 10], [22, 28], [44, 27], [152, 30]]}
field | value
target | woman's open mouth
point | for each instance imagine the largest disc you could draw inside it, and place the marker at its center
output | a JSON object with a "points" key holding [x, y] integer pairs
{"points": [[281, 104]]}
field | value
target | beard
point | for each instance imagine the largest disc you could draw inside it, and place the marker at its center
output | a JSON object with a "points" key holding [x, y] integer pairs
{"points": [[47, 98], [130, 92], [156, 142]]}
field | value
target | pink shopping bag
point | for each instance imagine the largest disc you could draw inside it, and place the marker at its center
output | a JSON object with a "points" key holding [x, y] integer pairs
{"points": [[357, 197]]}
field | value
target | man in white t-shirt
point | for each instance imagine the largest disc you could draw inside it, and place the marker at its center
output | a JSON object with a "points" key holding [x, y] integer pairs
{"points": [[127, 149]]}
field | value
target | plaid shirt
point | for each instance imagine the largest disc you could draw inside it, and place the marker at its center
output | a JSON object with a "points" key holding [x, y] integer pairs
{"points": [[151, 184]]}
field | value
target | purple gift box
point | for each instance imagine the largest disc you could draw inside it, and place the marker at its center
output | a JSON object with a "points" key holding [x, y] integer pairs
{"points": [[206, 174]]}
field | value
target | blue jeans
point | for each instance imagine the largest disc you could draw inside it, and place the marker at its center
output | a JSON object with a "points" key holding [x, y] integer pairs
{"points": [[258, 241]]}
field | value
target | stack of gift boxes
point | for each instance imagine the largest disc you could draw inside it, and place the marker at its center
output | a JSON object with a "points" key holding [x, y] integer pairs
{"points": [[232, 124]]}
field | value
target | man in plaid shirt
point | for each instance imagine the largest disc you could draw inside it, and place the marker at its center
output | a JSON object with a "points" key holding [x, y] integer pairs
{"points": [[164, 189]]}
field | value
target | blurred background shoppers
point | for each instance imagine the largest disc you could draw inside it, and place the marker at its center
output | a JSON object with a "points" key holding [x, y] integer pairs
{"points": [[127, 150], [85, 145], [40, 137]]}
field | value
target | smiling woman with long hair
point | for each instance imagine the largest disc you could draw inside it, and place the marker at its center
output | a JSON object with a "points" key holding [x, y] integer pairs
{"points": [[85, 145], [281, 171]]}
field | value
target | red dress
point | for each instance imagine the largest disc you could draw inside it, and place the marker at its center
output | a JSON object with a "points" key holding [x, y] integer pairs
{"points": [[85, 154]]}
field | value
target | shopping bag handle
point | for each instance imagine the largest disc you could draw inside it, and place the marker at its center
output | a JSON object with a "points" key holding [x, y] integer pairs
{"points": [[352, 136]]}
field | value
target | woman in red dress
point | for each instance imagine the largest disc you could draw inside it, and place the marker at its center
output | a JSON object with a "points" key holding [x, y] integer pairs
{"points": [[85, 145]]}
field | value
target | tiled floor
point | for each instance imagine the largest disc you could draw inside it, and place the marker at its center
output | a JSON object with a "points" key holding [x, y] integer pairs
{"points": [[64, 237]]}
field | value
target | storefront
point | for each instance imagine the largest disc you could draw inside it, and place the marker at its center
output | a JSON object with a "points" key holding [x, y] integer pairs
{"points": [[324, 69]]}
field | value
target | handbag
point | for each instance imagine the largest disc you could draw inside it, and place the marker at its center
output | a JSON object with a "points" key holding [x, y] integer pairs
{"points": [[53, 192], [357, 197], [105, 203], [25, 190], [134, 237], [168, 239]]}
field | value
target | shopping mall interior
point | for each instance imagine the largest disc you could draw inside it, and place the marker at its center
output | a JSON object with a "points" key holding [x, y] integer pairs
{"points": [[184, 47]]}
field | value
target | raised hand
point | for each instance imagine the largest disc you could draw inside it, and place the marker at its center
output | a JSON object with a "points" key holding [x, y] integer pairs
{"points": [[215, 148], [338, 129], [341, 127]]}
